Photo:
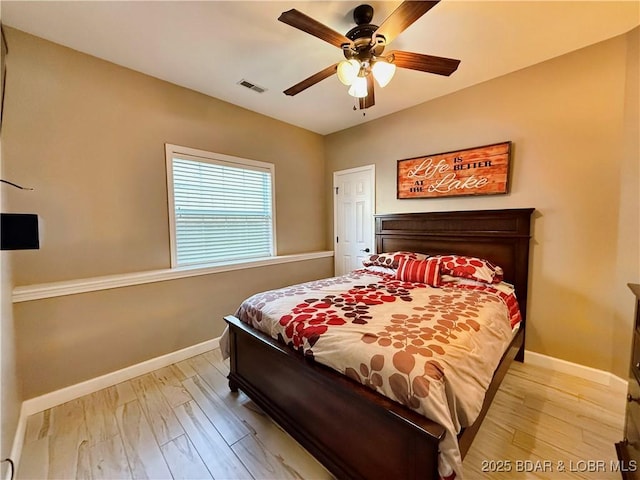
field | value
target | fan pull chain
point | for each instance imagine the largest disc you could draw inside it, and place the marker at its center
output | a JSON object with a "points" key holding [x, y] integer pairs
{"points": [[355, 107]]}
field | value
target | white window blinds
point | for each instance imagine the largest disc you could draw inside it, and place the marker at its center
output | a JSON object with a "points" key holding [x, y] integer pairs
{"points": [[222, 208]]}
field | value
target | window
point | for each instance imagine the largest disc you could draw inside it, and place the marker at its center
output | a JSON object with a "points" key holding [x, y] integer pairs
{"points": [[220, 207]]}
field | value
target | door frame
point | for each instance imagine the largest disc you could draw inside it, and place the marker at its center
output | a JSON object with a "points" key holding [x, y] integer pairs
{"points": [[372, 181]]}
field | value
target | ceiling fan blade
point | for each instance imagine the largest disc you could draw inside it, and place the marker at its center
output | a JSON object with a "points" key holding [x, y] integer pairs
{"points": [[424, 63], [370, 99], [402, 17], [307, 24], [312, 80]]}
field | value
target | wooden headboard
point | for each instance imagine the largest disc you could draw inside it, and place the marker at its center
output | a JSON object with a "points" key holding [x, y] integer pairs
{"points": [[500, 236]]}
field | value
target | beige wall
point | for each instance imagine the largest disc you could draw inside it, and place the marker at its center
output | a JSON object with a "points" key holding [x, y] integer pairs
{"points": [[628, 242], [10, 395], [65, 340], [566, 118], [89, 137]]}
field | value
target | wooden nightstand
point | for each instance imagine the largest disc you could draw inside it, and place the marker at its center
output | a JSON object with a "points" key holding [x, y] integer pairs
{"points": [[629, 449]]}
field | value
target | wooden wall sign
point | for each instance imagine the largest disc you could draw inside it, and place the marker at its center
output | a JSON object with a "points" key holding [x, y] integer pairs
{"points": [[475, 171]]}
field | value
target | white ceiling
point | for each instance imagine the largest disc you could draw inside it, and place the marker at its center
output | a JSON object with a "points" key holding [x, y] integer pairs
{"points": [[209, 46]]}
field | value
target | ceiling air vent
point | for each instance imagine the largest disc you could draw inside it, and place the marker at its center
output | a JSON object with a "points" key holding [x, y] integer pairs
{"points": [[252, 86]]}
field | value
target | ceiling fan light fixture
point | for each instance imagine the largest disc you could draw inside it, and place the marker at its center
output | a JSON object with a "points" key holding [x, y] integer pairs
{"points": [[348, 71], [359, 87], [383, 72], [363, 46]]}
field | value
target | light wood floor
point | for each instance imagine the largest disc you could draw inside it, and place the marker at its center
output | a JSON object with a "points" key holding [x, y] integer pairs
{"points": [[182, 422]]}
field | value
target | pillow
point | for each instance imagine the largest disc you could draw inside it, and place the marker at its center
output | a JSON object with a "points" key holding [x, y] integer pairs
{"points": [[420, 271], [472, 268], [378, 269], [451, 280], [391, 259]]}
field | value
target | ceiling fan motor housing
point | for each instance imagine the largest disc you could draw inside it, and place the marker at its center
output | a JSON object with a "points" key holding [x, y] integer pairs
{"points": [[362, 35], [362, 14]]}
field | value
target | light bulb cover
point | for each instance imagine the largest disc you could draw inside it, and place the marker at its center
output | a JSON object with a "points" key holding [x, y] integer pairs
{"points": [[348, 71], [359, 88], [383, 72]]}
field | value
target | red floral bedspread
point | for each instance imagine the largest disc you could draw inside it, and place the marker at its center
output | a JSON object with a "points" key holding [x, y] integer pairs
{"points": [[415, 344]]}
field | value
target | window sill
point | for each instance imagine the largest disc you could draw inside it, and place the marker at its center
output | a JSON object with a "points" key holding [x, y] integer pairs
{"points": [[71, 287]]}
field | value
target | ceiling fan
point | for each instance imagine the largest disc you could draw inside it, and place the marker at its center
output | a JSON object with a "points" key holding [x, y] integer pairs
{"points": [[363, 46]]}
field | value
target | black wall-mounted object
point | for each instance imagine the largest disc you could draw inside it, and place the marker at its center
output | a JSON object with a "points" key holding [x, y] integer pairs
{"points": [[19, 231]]}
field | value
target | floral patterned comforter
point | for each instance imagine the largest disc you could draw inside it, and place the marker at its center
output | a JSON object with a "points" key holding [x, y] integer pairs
{"points": [[432, 349]]}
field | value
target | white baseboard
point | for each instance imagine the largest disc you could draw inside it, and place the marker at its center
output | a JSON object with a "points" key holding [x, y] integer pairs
{"points": [[575, 369], [50, 400]]}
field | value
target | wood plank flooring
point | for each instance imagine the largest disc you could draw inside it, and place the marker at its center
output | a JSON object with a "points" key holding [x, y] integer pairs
{"points": [[548, 425], [182, 422]]}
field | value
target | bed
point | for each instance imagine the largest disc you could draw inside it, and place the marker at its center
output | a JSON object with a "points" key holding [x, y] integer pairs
{"points": [[352, 430]]}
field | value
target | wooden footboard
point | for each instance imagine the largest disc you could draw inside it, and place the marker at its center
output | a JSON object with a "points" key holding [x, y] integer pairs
{"points": [[351, 430]]}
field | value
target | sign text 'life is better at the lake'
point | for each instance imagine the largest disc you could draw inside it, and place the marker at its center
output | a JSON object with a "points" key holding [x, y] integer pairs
{"points": [[475, 171]]}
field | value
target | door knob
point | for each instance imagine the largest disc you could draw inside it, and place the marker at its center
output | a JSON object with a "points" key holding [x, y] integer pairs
{"points": [[366, 250]]}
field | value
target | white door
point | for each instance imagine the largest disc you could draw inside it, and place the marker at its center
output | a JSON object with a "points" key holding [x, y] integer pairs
{"points": [[353, 209]]}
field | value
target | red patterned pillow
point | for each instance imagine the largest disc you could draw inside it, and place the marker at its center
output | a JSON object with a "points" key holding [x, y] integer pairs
{"points": [[391, 259], [420, 271], [472, 268]]}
